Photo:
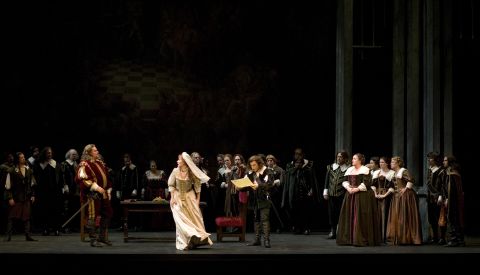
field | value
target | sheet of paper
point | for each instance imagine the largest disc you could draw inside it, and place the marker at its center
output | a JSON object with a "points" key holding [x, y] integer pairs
{"points": [[242, 183]]}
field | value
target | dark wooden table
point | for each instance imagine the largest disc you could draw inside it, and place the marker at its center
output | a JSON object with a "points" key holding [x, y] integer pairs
{"points": [[143, 207]]}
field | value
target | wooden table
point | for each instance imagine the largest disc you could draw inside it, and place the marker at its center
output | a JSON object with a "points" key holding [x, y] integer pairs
{"points": [[143, 207]]}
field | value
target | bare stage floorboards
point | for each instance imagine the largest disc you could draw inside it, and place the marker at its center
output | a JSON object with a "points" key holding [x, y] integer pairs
{"points": [[159, 251]]}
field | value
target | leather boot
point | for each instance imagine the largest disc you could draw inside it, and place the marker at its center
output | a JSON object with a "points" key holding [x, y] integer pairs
{"points": [[266, 233], [95, 243], [93, 234], [434, 239], [8, 233], [443, 231], [28, 236], [257, 241], [267, 243], [333, 233], [103, 232], [90, 228]]}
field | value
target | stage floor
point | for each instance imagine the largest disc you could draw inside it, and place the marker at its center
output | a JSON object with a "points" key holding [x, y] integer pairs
{"points": [[286, 249]]}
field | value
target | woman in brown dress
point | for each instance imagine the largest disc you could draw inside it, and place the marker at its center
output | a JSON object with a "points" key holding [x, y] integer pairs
{"points": [[404, 225], [359, 223]]}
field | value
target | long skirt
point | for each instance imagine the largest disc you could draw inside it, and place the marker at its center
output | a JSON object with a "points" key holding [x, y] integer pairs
{"points": [[359, 223], [404, 225], [190, 230]]}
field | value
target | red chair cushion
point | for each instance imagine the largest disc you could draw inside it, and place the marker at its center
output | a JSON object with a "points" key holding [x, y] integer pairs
{"points": [[229, 221]]}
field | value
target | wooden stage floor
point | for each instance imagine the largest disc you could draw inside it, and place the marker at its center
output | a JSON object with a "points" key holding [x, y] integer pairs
{"points": [[159, 251]]}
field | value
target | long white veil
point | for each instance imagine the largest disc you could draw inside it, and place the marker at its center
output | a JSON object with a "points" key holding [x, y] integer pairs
{"points": [[195, 170]]}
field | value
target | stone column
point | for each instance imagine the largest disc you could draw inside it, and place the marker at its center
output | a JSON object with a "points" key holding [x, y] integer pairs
{"points": [[413, 117], [344, 76], [447, 76], [432, 87], [406, 83], [406, 93], [398, 79]]}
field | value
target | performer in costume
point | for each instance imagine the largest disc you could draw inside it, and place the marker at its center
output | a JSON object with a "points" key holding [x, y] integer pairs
{"points": [[454, 202], [333, 191], [184, 185], [70, 190], [382, 185], [301, 191], [404, 225], [436, 177], [20, 194], [96, 189], [359, 223], [259, 198]]}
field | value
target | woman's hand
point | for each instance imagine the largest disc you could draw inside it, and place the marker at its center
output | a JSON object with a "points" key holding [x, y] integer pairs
{"points": [[173, 198]]}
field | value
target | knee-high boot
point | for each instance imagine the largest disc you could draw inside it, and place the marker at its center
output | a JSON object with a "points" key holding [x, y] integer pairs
{"points": [[266, 233], [443, 231], [8, 233], [103, 232], [28, 236], [257, 235], [93, 233]]}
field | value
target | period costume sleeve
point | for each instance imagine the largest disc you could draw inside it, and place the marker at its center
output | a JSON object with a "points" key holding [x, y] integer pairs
{"points": [[440, 183], [172, 179], [197, 185], [446, 180], [34, 184], [109, 186], [8, 187], [327, 181], [267, 181], [345, 182], [63, 169], [86, 177], [137, 181], [145, 179], [367, 179], [408, 178], [389, 181]]}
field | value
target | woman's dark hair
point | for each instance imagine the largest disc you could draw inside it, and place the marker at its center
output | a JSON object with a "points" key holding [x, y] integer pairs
{"points": [[361, 157]]}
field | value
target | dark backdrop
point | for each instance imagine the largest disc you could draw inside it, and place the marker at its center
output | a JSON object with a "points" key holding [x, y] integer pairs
{"points": [[228, 76]]}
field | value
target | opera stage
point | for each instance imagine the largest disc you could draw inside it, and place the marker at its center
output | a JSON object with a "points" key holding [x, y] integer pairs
{"points": [[158, 253]]}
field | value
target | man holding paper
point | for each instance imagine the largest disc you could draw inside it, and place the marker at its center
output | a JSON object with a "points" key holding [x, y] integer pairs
{"points": [[261, 180]]}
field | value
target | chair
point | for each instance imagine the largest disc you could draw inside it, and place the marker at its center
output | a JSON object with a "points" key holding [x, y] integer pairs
{"points": [[239, 222]]}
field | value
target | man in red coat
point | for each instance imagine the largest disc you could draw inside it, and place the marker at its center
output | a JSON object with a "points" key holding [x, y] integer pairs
{"points": [[96, 189]]}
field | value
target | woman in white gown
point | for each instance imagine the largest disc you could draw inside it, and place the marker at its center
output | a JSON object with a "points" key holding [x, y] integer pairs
{"points": [[184, 185]]}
